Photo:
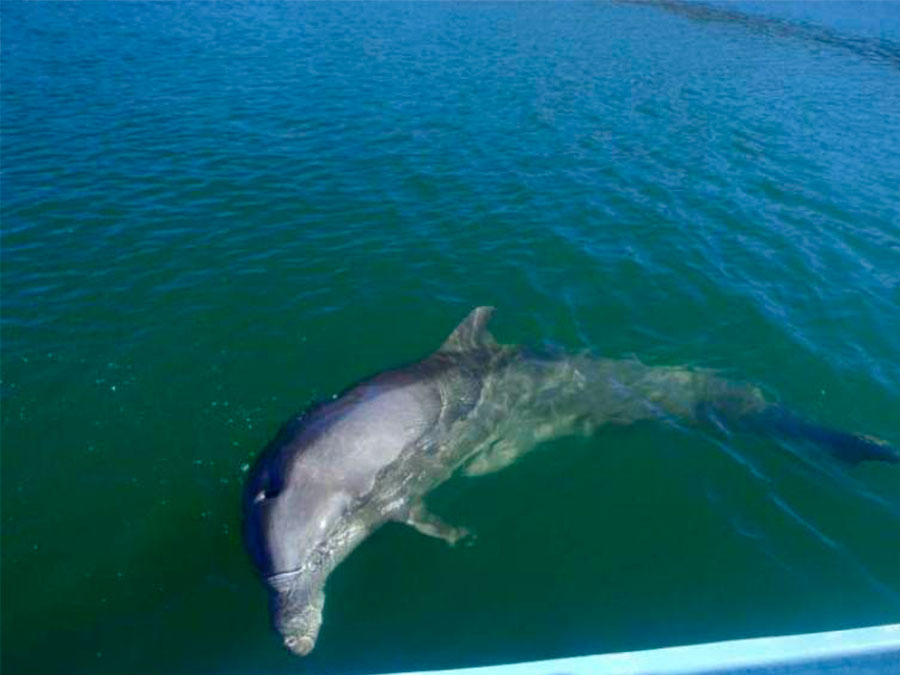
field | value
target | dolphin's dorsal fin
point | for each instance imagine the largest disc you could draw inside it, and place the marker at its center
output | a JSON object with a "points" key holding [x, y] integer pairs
{"points": [[472, 333]]}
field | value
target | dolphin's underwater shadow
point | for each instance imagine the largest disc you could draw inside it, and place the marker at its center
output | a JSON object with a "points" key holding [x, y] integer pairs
{"points": [[336, 473]]}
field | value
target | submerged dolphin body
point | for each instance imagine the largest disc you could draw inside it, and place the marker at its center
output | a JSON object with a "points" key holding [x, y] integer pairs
{"points": [[343, 469]]}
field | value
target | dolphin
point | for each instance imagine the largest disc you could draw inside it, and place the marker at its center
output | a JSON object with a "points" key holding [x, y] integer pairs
{"points": [[336, 473]]}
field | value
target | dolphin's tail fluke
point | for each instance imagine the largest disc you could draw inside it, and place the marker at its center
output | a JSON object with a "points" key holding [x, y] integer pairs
{"points": [[847, 447]]}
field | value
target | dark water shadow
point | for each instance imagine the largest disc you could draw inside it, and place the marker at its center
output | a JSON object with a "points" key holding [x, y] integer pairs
{"points": [[870, 49]]}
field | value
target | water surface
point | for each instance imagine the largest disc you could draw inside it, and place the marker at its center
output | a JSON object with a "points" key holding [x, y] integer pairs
{"points": [[216, 213]]}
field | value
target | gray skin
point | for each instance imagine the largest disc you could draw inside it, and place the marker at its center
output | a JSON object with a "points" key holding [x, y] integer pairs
{"points": [[339, 472]]}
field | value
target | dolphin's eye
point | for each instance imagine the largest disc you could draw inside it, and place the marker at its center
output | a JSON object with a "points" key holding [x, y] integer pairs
{"points": [[263, 495], [268, 484]]}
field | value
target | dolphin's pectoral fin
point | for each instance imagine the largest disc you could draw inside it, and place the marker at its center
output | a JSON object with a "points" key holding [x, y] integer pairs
{"points": [[495, 458], [429, 524]]}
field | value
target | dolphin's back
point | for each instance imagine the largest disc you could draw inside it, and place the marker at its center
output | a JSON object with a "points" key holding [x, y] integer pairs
{"points": [[368, 432], [326, 460]]}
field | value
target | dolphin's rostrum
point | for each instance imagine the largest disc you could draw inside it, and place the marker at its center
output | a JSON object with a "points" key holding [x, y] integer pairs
{"points": [[341, 470]]}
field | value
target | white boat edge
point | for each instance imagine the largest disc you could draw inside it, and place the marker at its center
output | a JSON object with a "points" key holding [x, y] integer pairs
{"points": [[872, 650]]}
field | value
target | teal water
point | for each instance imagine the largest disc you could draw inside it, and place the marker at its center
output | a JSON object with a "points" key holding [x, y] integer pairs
{"points": [[215, 214]]}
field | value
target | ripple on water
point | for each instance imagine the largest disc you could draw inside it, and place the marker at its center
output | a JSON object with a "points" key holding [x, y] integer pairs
{"points": [[260, 203]]}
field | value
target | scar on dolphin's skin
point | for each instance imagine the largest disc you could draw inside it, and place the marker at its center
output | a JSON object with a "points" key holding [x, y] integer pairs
{"points": [[336, 473]]}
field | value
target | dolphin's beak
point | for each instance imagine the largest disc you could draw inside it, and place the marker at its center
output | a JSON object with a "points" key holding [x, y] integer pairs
{"points": [[301, 645], [297, 612]]}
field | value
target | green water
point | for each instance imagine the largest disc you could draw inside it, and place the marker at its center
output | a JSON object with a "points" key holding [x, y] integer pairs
{"points": [[216, 214]]}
